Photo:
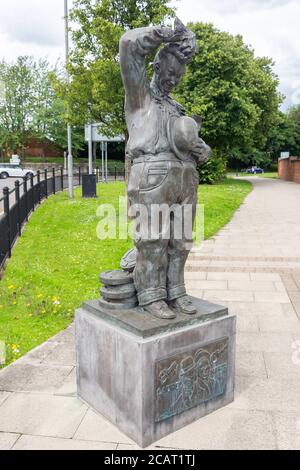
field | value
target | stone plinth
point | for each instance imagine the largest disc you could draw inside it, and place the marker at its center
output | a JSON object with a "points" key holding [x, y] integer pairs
{"points": [[151, 377]]}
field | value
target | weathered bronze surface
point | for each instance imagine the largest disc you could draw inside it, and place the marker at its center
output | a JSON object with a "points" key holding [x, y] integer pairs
{"points": [[138, 322], [165, 149], [190, 378]]}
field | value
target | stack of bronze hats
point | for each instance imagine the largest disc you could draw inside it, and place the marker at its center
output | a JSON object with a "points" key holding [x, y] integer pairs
{"points": [[118, 291]]}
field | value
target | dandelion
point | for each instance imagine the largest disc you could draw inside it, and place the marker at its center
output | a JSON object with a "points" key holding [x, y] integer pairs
{"points": [[11, 287], [39, 296], [30, 314]]}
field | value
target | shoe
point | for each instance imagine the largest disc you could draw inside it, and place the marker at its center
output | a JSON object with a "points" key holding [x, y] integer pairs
{"points": [[183, 305], [160, 310]]}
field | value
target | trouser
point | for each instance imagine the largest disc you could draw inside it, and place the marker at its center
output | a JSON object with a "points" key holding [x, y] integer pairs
{"points": [[163, 200]]}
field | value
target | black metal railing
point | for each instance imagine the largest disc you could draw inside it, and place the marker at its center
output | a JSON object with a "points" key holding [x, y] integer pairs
{"points": [[18, 203]]}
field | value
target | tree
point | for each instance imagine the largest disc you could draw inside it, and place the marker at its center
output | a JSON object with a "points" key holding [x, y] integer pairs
{"points": [[293, 120], [29, 106], [96, 91], [233, 91], [16, 102]]}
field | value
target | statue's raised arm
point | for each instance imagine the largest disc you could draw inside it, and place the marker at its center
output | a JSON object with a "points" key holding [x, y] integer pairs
{"points": [[136, 44]]}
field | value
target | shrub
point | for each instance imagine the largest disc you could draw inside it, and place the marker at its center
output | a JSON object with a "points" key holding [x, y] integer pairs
{"points": [[214, 170]]}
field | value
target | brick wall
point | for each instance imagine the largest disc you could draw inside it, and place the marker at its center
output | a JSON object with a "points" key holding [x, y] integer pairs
{"points": [[289, 169]]}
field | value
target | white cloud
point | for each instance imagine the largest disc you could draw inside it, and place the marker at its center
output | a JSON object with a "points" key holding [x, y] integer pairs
{"points": [[35, 27], [31, 27], [270, 26]]}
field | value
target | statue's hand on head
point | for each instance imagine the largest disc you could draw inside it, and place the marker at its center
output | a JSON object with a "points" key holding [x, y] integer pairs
{"points": [[183, 40]]}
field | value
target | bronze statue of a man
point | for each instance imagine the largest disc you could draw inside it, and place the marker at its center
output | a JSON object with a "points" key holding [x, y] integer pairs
{"points": [[165, 148]]}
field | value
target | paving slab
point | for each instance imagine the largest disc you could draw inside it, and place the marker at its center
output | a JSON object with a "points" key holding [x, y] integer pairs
{"points": [[96, 427], [42, 415], [3, 397], [251, 363], [266, 395], [249, 267], [287, 430], [267, 342], [226, 429], [7, 440], [49, 443]]}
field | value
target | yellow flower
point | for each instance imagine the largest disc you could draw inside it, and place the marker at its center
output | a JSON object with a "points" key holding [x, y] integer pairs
{"points": [[39, 296], [30, 314], [14, 303], [11, 287]]}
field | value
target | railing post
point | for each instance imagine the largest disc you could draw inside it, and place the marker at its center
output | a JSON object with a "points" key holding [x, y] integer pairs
{"points": [[17, 192], [79, 175], [39, 185], [115, 172], [26, 198], [46, 183], [7, 213], [53, 180], [62, 178], [32, 191]]}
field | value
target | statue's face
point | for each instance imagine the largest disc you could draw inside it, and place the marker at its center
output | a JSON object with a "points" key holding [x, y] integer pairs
{"points": [[169, 72]]}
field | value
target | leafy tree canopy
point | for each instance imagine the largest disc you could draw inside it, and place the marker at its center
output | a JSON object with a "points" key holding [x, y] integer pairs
{"points": [[232, 90], [29, 106], [96, 91]]}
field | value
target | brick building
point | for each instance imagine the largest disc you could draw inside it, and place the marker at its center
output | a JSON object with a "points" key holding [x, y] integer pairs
{"points": [[42, 148], [289, 169]]}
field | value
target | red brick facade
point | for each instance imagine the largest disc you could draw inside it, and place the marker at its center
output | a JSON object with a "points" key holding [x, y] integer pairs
{"points": [[40, 149], [289, 169]]}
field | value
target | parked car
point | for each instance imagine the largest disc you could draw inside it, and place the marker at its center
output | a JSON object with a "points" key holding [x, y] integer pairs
{"points": [[8, 170], [255, 170]]}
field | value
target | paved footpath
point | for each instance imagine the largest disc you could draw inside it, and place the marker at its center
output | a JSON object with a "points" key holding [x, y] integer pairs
{"points": [[253, 267]]}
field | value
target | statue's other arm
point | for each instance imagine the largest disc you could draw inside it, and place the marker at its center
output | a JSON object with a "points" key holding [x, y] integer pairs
{"points": [[135, 45]]}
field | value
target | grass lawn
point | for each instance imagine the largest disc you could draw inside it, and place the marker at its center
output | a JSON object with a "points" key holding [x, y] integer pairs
{"points": [[56, 263], [272, 175]]}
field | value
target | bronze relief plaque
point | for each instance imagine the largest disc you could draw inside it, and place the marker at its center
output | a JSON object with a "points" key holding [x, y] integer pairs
{"points": [[190, 378]]}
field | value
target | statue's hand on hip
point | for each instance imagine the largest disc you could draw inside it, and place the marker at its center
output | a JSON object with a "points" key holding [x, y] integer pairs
{"points": [[201, 152]]}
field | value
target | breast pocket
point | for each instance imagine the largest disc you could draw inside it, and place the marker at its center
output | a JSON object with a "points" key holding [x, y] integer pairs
{"points": [[154, 175]]}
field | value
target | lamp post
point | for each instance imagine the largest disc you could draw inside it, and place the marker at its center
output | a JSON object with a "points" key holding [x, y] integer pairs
{"points": [[70, 156]]}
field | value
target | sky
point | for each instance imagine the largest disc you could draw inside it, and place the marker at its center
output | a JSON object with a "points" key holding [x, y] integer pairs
{"points": [[35, 27]]}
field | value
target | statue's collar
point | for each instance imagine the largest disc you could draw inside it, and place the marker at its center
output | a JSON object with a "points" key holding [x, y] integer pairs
{"points": [[157, 93]]}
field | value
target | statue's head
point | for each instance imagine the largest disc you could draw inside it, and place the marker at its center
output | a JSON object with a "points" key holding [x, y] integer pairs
{"points": [[170, 61], [168, 70]]}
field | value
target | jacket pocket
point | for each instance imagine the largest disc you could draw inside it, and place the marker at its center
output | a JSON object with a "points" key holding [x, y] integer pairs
{"points": [[153, 176]]}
